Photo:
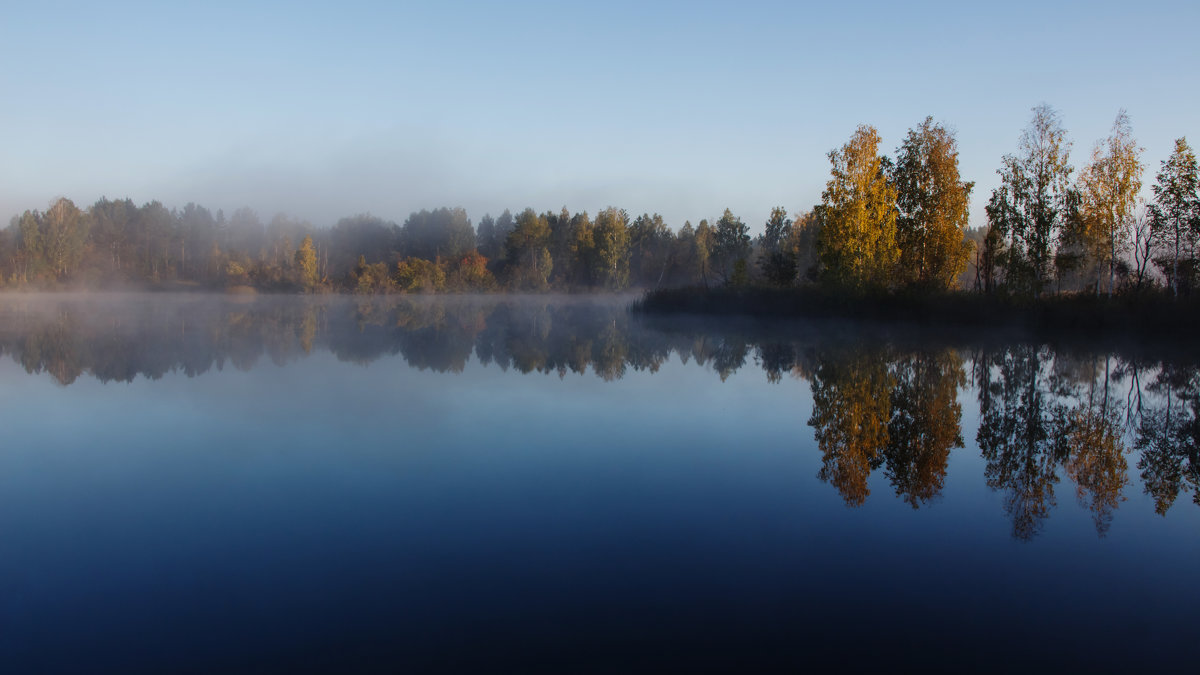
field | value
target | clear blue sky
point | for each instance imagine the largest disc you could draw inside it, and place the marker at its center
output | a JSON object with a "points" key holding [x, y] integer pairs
{"points": [[685, 108]]}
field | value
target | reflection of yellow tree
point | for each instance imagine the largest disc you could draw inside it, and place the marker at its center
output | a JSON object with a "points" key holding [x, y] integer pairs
{"points": [[1096, 461], [307, 330], [925, 423], [851, 408]]}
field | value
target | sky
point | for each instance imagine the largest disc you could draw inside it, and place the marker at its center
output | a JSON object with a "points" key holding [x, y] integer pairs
{"points": [[325, 110]]}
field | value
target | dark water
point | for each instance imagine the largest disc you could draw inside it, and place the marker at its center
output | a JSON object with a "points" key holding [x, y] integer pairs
{"points": [[190, 484]]}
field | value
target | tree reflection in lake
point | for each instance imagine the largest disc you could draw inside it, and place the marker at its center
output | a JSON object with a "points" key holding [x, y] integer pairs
{"points": [[1169, 438], [1014, 433], [851, 408], [893, 403], [883, 406], [1095, 447], [925, 423]]}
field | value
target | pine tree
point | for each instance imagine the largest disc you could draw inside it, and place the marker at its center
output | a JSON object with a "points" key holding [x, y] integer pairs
{"points": [[1175, 213]]}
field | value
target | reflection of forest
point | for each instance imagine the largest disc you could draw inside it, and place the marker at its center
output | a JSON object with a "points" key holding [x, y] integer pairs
{"points": [[890, 405], [1043, 414]]}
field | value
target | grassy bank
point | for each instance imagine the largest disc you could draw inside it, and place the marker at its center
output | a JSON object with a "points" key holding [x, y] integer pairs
{"points": [[1140, 313]]}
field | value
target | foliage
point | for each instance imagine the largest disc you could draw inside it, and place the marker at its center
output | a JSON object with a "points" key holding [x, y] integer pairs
{"points": [[1034, 203], [418, 275], [857, 243], [64, 232], [1108, 188], [933, 204], [777, 256], [583, 259], [703, 243], [492, 235], [306, 264], [650, 249], [435, 234], [611, 238], [528, 259], [472, 274], [371, 278], [730, 245], [1175, 214]]}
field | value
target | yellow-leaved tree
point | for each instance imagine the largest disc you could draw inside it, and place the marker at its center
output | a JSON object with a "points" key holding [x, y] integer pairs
{"points": [[1108, 189], [857, 244], [933, 204], [306, 263]]}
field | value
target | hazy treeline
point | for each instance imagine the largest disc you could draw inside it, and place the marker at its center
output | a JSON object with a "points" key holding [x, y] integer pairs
{"points": [[112, 244], [883, 223], [889, 404]]}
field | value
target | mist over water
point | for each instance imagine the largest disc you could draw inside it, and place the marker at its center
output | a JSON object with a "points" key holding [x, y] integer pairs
{"points": [[194, 484]]}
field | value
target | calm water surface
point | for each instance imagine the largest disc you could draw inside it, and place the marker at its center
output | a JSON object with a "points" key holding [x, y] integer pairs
{"points": [[197, 484]]}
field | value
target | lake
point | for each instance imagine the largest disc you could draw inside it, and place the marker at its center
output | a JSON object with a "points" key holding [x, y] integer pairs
{"points": [[192, 483]]}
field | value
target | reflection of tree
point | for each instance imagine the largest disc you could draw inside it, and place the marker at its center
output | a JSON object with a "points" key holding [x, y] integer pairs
{"points": [[1092, 435], [776, 358], [871, 409], [610, 352], [1014, 435], [56, 348], [431, 338], [924, 424], [1096, 461], [729, 356], [851, 408], [527, 339], [307, 330], [1169, 439], [701, 348]]}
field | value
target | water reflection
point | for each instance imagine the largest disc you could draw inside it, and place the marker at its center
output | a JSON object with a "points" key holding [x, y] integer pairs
{"points": [[1014, 433], [851, 409], [1169, 437], [925, 423], [891, 406]]}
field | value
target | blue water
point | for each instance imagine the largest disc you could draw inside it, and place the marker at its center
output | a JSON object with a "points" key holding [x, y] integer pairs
{"points": [[192, 484]]}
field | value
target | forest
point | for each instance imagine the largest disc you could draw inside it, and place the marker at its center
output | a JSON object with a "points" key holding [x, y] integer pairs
{"points": [[885, 224]]}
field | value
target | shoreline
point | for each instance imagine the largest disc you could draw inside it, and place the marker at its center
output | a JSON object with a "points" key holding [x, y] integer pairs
{"points": [[1141, 314]]}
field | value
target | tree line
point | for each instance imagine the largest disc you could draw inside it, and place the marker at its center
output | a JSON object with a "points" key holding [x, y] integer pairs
{"points": [[116, 242], [882, 224], [903, 223]]}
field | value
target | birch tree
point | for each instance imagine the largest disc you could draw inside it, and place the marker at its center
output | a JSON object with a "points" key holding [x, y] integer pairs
{"points": [[1108, 188], [1034, 203], [933, 204], [857, 245]]}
